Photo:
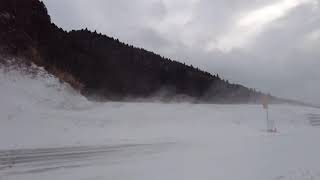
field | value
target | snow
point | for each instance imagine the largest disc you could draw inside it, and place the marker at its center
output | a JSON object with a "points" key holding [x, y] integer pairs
{"points": [[151, 140]]}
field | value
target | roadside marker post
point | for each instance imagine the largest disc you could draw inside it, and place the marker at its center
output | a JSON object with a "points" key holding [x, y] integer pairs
{"points": [[270, 124]]}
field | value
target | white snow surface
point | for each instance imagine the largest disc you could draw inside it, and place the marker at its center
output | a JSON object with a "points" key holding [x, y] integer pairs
{"points": [[173, 141]]}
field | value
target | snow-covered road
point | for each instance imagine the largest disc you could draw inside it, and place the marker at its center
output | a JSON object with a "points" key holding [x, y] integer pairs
{"points": [[29, 161], [50, 132]]}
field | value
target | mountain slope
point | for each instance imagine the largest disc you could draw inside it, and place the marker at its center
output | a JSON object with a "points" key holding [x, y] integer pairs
{"points": [[102, 66]]}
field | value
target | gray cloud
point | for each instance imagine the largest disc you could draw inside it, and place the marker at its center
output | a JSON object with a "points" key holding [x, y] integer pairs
{"points": [[270, 45]]}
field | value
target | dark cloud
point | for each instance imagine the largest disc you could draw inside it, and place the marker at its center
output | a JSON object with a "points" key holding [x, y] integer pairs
{"points": [[270, 45]]}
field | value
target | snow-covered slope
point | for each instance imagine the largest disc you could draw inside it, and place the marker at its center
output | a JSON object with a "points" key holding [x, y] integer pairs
{"points": [[138, 141], [30, 98]]}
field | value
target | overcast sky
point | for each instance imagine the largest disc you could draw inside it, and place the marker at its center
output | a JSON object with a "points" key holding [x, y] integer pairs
{"points": [[270, 45]]}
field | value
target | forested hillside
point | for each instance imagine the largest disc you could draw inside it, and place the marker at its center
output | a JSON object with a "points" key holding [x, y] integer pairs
{"points": [[102, 66]]}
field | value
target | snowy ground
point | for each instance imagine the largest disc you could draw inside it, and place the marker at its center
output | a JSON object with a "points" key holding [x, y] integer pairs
{"points": [[48, 131]]}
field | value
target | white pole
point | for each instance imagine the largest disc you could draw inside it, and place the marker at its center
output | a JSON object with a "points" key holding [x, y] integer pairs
{"points": [[268, 122], [267, 114], [267, 118]]}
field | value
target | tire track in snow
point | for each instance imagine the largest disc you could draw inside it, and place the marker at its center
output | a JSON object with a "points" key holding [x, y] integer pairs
{"points": [[314, 119], [46, 159]]}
